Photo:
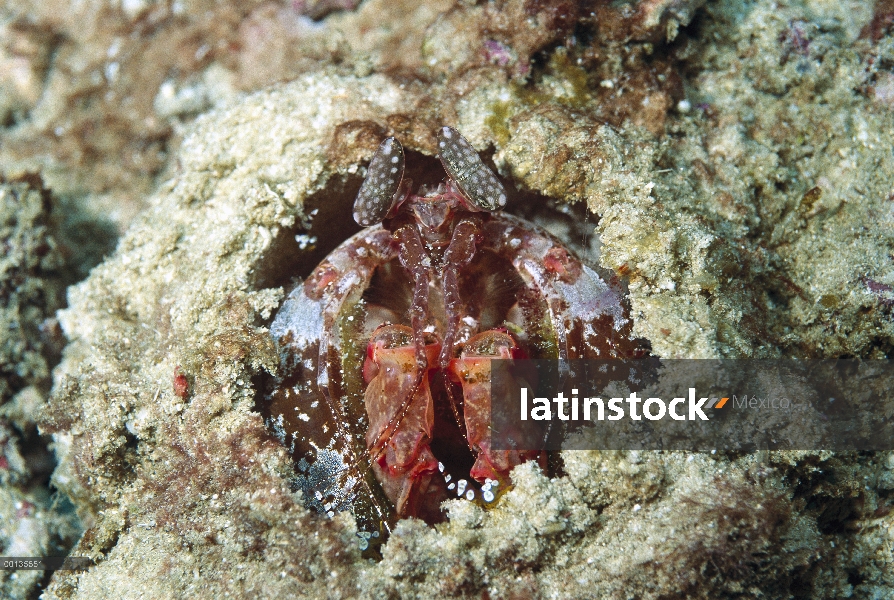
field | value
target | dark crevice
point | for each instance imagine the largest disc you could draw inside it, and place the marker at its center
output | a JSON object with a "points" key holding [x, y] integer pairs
{"points": [[327, 222]]}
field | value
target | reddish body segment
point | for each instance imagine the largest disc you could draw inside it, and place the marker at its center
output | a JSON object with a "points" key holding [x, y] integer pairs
{"points": [[399, 434], [384, 398], [472, 371]]}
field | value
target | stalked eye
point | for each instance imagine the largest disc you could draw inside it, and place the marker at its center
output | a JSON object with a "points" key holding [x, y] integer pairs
{"points": [[466, 168], [377, 194]]}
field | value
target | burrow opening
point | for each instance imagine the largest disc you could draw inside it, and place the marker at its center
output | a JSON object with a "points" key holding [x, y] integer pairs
{"points": [[326, 222]]}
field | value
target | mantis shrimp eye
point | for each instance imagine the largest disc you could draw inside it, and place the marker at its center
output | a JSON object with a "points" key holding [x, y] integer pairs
{"points": [[378, 194], [462, 163]]}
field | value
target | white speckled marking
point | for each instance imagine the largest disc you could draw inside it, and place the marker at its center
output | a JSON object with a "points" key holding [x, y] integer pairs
{"points": [[377, 194], [466, 168]]}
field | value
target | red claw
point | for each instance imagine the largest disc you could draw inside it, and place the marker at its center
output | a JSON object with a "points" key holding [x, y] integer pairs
{"points": [[401, 417], [472, 370]]}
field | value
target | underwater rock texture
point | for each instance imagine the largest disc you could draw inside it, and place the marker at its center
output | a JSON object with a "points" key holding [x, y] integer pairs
{"points": [[30, 290], [735, 159], [32, 521]]}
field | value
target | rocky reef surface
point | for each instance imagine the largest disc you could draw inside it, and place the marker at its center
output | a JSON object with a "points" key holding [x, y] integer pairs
{"points": [[33, 522], [734, 158]]}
